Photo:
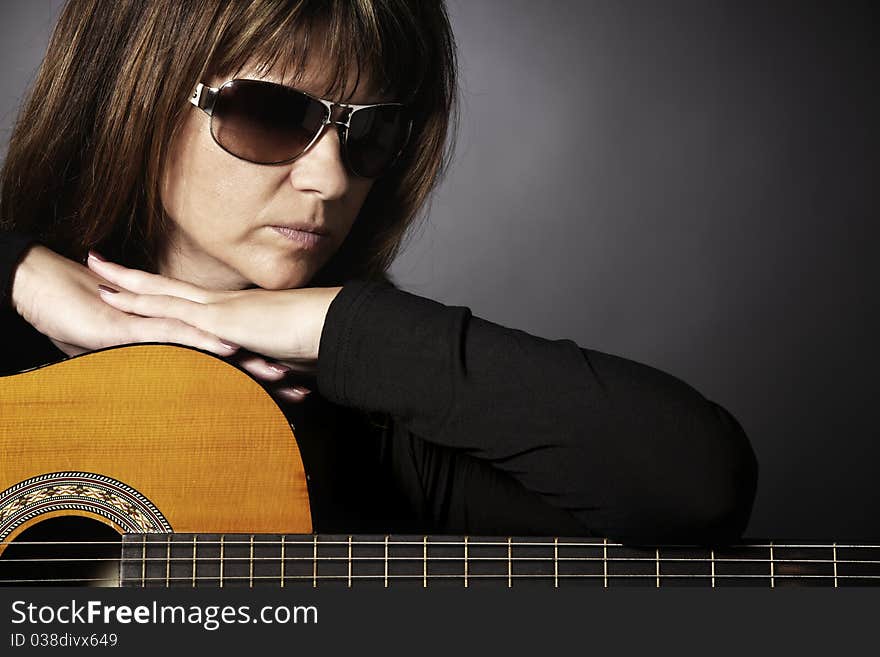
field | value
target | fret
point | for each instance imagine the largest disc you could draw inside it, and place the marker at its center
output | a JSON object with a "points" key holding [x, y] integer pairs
{"points": [[509, 565], [556, 563], [251, 564], [349, 562], [221, 562], [425, 562], [657, 559], [168, 561], [772, 583], [386, 561], [315, 562], [195, 538], [605, 562], [283, 539], [712, 556], [465, 561], [834, 555]]}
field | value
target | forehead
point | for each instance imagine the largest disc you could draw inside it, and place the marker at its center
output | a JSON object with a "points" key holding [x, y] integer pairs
{"points": [[317, 77], [307, 54]]}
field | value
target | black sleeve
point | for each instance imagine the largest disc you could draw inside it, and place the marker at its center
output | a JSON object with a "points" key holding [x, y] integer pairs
{"points": [[22, 346], [627, 450], [13, 246]]}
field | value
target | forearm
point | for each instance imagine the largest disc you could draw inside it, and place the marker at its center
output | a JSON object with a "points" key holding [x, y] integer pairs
{"points": [[619, 444]]}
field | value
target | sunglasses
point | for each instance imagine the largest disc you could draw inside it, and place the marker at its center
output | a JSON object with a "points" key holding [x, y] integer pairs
{"points": [[269, 123]]}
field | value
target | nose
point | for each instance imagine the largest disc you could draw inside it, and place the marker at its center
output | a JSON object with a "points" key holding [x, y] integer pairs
{"points": [[321, 169]]}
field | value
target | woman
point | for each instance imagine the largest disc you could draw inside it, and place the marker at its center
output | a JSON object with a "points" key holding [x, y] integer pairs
{"points": [[234, 213]]}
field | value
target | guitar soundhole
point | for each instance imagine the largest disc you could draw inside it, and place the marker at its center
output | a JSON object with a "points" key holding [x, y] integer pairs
{"points": [[68, 551]]}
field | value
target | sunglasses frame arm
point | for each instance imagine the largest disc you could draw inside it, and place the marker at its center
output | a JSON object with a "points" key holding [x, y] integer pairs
{"points": [[204, 98]]}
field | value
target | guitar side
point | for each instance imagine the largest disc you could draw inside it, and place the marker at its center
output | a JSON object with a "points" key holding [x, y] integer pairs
{"points": [[156, 437]]}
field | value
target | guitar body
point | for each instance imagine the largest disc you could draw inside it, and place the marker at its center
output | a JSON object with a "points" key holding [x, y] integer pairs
{"points": [[148, 439]]}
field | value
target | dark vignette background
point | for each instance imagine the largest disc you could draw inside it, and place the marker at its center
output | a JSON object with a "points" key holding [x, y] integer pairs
{"points": [[688, 184]]}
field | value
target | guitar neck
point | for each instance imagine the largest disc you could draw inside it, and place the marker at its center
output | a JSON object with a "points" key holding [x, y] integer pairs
{"points": [[212, 560]]}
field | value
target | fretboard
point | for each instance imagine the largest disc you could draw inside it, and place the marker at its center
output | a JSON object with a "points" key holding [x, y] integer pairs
{"points": [[214, 560]]}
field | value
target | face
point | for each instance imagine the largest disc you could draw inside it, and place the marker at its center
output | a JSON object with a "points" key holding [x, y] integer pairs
{"points": [[237, 224]]}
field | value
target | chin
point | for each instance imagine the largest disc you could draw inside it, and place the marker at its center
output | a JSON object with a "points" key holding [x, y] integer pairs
{"points": [[281, 278]]}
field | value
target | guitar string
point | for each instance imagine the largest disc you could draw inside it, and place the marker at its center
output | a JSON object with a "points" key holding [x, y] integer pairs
{"points": [[548, 559], [472, 542], [446, 576]]}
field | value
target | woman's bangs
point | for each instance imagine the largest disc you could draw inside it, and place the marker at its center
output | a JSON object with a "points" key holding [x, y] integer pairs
{"points": [[361, 43]]}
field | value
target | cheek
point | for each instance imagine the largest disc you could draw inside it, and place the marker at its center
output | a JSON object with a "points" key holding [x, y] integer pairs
{"points": [[203, 188]]}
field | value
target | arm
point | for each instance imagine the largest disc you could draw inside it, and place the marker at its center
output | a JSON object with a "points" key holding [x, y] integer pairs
{"points": [[628, 450], [51, 307]]}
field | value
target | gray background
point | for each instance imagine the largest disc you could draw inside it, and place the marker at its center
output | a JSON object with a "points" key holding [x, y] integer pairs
{"points": [[687, 184]]}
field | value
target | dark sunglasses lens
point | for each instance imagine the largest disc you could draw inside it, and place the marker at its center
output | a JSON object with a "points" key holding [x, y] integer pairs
{"points": [[263, 122], [375, 138]]}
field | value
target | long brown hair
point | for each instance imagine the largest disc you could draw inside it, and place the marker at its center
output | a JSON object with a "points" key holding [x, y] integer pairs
{"points": [[84, 163]]}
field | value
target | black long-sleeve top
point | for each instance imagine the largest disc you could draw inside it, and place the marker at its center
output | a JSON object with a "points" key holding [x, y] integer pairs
{"points": [[428, 419]]}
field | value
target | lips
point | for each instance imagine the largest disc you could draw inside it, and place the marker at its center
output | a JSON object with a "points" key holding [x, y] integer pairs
{"points": [[306, 236], [303, 228]]}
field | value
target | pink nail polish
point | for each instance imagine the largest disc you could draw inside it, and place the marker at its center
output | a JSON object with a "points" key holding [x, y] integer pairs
{"points": [[229, 345], [301, 390], [275, 367], [96, 256], [107, 288]]}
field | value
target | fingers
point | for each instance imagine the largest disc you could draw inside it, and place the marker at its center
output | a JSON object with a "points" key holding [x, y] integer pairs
{"points": [[143, 282], [262, 369], [159, 306], [269, 371], [294, 394], [150, 329]]}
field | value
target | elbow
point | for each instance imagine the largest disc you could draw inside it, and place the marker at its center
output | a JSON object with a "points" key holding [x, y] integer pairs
{"points": [[715, 492], [720, 509], [702, 492]]}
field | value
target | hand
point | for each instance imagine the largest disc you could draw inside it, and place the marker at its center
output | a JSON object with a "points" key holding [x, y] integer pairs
{"points": [[282, 325], [60, 299]]}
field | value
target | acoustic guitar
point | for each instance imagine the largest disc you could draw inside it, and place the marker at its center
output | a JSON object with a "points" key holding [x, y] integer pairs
{"points": [[156, 465]]}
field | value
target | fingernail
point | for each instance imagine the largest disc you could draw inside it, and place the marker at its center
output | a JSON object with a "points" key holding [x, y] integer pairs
{"points": [[96, 256], [229, 345], [275, 367], [107, 288], [301, 390]]}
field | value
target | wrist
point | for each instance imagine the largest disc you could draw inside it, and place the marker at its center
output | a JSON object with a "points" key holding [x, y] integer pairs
{"points": [[324, 298]]}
